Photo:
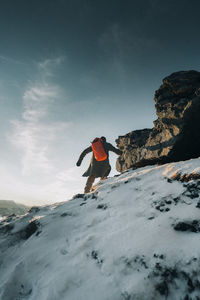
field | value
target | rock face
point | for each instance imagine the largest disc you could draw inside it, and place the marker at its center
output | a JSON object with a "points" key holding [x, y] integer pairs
{"points": [[176, 133]]}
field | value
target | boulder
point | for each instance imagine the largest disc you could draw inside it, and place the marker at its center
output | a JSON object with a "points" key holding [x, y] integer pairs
{"points": [[176, 133]]}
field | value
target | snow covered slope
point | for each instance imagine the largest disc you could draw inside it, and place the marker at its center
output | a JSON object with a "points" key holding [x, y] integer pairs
{"points": [[136, 237]]}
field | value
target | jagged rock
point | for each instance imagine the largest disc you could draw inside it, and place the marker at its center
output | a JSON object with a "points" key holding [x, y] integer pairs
{"points": [[176, 133]]}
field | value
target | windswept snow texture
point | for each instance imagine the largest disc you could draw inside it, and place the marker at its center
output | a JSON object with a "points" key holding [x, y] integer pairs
{"points": [[128, 240]]}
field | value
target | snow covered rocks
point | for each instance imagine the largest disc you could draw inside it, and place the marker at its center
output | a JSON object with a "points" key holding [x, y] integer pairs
{"points": [[135, 238], [176, 133]]}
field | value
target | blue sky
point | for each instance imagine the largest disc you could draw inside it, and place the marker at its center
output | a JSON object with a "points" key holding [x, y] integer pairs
{"points": [[74, 70]]}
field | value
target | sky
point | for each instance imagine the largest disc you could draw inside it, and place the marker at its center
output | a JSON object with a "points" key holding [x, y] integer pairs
{"points": [[73, 70]]}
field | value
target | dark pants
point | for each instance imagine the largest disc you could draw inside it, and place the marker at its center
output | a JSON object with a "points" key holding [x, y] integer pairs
{"points": [[89, 183], [91, 180]]}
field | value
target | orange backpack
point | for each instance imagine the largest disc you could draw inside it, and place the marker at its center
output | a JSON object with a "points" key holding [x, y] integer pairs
{"points": [[98, 150]]}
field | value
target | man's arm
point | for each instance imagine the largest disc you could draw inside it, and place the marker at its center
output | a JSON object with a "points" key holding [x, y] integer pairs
{"points": [[113, 149], [83, 154]]}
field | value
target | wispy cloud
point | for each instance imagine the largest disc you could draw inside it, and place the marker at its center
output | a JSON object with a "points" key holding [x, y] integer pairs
{"points": [[35, 133], [35, 140], [37, 100], [43, 172], [47, 67], [10, 60]]}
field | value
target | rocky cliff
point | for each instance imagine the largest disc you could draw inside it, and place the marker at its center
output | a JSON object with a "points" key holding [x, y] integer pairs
{"points": [[176, 133]]}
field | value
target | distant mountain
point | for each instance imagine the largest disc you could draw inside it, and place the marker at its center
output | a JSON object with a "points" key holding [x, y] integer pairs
{"points": [[9, 207]]}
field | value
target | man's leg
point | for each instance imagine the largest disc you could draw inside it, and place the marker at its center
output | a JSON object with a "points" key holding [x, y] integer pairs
{"points": [[105, 175], [89, 183]]}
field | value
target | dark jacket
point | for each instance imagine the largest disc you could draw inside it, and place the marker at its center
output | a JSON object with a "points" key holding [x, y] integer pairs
{"points": [[98, 168]]}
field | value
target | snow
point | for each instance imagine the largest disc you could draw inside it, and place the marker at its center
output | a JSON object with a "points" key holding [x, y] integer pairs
{"points": [[118, 242]]}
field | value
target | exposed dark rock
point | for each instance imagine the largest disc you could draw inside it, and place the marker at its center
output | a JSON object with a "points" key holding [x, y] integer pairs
{"points": [[168, 201], [24, 292], [185, 177], [192, 190], [86, 196], [162, 288], [193, 226], [29, 230], [94, 195], [126, 296], [161, 256], [6, 228], [176, 200], [66, 214], [167, 277], [169, 180], [163, 204], [129, 265], [78, 196], [102, 206], [95, 256], [34, 209], [176, 133]]}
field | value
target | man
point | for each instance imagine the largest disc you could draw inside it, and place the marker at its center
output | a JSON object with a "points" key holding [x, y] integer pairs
{"points": [[97, 168]]}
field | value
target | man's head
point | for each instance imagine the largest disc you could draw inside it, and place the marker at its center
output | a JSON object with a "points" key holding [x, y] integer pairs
{"points": [[103, 138]]}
